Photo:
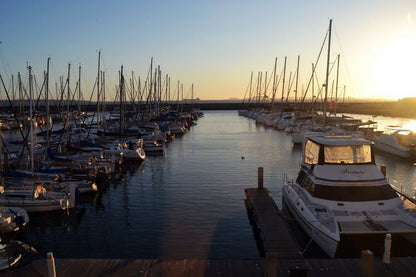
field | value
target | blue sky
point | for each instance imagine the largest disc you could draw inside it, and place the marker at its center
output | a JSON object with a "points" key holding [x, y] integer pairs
{"points": [[213, 44]]}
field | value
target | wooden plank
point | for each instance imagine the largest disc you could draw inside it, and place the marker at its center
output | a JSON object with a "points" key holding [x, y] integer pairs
{"points": [[268, 219], [404, 266], [97, 267], [208, 268]]}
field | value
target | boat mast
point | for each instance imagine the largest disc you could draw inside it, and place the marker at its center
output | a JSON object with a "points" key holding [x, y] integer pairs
{"points": [[182, 97], [47, 105], [192, 95], [166, 89], [169, 92], [336, 86], [259, 78], [283, 84], [297, 79], [327, 72], [21, 106], [68, 96], [121, 98], [177, 103], [13, 91], [265, 88], [289, 86], [79, 89], [32, 163], [251, 83], [104, 103], [149, 97], [313, 83], [98, 91], [274, 81]]}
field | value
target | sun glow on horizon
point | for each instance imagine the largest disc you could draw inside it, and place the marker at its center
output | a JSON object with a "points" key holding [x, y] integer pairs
{"points": [[411, 125]]}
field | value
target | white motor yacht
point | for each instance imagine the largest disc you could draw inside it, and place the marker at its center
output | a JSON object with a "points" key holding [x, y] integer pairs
{"points": [[340, 194], [399, 142]]}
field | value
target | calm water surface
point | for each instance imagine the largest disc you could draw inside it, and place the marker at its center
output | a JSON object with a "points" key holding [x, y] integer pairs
{"points": [[189, 203]]}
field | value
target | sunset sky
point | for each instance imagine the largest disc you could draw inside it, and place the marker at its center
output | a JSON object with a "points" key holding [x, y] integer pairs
{"points": [[214, 44]]}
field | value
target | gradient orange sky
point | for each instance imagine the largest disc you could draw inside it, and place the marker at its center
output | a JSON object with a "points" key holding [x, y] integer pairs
{"points": [[214, 44]]}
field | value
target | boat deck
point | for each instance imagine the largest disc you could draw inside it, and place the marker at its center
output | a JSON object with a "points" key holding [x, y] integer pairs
{"points": [[386, 226]]}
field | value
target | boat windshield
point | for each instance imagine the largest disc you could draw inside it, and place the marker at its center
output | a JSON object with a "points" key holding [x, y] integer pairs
{"points": [[348, 154], [311, 152]]}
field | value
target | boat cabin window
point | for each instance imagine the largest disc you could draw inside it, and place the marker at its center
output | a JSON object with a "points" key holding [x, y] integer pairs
{"points": [[348, 154], [354, 193], [311, 155]]}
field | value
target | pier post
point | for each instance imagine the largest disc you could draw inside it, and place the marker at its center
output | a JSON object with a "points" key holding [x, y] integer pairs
{"points": [[387, 249], [51, 264], [271, 264], [260, 178], [367, 258], [383, 169]]}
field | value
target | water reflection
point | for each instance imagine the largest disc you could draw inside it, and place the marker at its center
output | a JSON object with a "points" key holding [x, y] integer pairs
{"points": [[188, 203]]}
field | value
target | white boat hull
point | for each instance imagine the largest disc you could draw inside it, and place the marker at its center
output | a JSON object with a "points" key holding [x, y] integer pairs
{"points": [[398, 151], [309, 224], [35, 206]]}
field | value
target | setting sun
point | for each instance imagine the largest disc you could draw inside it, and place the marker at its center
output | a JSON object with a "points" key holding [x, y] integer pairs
{"points": [[411, 125], [392, 73]]}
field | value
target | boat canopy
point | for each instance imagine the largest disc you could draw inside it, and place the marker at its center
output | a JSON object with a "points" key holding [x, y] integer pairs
{"points": [[328, 151], [340, 140]]}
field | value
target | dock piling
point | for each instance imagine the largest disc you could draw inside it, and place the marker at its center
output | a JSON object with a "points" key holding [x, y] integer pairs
{"points": [[367, 259], [51, 264], [387, 249], [260, 178]]}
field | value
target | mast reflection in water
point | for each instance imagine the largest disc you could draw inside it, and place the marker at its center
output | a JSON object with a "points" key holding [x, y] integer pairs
{"points": [[186, 204]]}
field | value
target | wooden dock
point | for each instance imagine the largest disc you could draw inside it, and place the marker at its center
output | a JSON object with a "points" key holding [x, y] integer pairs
{"points": [[267, 219], [213, 268], [141, 268]]}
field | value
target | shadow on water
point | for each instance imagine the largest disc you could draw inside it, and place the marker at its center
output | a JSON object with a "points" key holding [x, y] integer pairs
{"points": [[225, 244], [43, 225]]}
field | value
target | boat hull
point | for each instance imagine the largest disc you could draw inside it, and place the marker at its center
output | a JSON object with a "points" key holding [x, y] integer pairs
{"points": [[35, 206], [326, 243], [389, 145]]}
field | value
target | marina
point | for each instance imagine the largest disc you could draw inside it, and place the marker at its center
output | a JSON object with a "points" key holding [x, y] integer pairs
{"points": [[202, 216], [120, 165]]}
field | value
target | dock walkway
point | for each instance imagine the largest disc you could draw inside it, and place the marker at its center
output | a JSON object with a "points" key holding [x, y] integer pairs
{"points": [[211, 268], [268, 220]]}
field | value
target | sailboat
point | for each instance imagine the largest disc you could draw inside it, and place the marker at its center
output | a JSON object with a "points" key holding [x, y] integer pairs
{"points": [[36, 198]]}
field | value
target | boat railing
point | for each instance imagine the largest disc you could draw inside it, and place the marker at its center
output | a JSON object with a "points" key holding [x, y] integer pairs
{"points": [[300, 192], [399, 190], [287, 180]]}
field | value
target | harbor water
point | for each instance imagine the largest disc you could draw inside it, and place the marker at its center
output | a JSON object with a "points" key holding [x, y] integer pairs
{"points": [[188, 203]]}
